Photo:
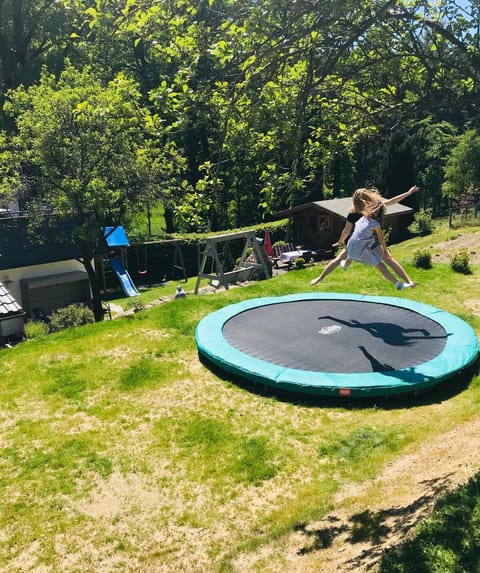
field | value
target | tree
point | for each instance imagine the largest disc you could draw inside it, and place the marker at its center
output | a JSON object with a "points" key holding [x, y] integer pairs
{"points": [[462, 171], [79, 144], [32, 32], [273, 103], [432, 143]]}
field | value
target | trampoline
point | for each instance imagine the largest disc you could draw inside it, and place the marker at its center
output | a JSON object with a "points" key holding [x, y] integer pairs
{"points": [[337, 344]]}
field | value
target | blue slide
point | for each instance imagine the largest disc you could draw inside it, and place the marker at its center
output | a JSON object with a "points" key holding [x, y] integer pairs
{"points": [[128, 286]]}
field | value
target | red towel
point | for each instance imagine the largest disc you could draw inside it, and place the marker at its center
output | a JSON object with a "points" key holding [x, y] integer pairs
{"points": [[267, 244]]}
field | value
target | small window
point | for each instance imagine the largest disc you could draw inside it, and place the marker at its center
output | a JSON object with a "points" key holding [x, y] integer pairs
{"points": [[324, 224]]}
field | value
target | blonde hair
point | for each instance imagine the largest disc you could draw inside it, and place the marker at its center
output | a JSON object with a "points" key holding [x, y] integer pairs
{"points": [[363, 197], [375, 210]]}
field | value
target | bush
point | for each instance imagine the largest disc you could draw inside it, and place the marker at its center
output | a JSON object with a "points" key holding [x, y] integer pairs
{"points": [[460, 262], [136, 304], [422, 259], [69, 316], [299, 263], [423, 222], [35, 329]]}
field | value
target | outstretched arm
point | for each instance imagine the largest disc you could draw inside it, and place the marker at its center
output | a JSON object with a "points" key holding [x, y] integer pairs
{"points": [[345, 233], [400, 197]]}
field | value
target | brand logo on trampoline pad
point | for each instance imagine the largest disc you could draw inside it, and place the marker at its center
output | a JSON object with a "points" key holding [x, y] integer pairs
{"points": [[332, 329]]}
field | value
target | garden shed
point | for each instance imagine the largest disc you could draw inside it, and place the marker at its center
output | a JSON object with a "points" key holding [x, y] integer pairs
{"points": [[318, 224], [41, 277], [43, 294]]}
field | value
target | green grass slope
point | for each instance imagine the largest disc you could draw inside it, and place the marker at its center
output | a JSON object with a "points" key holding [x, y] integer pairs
{"points": [[120, 451]]}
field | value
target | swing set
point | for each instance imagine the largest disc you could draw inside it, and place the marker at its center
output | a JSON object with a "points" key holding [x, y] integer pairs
{"points": [[177, 259], [218, 275]]}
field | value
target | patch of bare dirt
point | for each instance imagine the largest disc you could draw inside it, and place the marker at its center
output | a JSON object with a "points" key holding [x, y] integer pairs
{"points": [[470, 242], [354, 538]]}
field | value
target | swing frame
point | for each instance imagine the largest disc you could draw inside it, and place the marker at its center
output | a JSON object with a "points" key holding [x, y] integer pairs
{"points": [[145, 269], [221, 277]]}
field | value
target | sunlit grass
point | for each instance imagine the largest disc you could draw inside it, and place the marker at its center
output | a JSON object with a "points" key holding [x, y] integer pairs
{"points": [[447, 541], [116, 435]]}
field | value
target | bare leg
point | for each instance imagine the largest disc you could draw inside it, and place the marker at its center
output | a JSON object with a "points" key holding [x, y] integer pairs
{"points": [[333, 264], [397, 268], [386, 273], [394, 265]]}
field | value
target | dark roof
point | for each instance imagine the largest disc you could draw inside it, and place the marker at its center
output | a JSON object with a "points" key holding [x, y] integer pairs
{"points": [[8, 305], [19, 249], [340, 208], [56, 279]]}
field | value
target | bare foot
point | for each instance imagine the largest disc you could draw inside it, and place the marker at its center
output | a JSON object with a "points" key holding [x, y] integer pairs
{"points": [[315, 281]]}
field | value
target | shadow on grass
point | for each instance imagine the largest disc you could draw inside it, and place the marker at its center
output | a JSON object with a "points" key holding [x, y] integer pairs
{"points": [[371, 528], [438, 393], [447, 541]]}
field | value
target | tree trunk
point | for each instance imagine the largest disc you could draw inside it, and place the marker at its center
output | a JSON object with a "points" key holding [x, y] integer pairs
{"points": [[149, 219], [87, 257], [168, 214]]}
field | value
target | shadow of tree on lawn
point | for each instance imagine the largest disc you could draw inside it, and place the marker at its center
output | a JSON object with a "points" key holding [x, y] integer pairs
{"points": [[377, 529]]}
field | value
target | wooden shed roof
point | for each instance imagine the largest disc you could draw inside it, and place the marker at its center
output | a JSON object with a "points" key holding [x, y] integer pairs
{"points": [[340, 208]]}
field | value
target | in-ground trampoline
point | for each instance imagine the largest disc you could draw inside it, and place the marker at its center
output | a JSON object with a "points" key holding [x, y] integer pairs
{"points": [[337, 344]]}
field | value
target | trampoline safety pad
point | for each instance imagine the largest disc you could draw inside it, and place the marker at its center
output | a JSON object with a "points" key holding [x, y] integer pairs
{"points": [[337, 344]]}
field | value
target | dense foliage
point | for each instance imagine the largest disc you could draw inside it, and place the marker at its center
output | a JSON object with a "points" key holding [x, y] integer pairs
{"points": [[247, 107]]}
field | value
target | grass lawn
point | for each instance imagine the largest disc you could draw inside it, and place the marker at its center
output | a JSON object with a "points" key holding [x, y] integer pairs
{"points": [[121, 452], [149, 223]]}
